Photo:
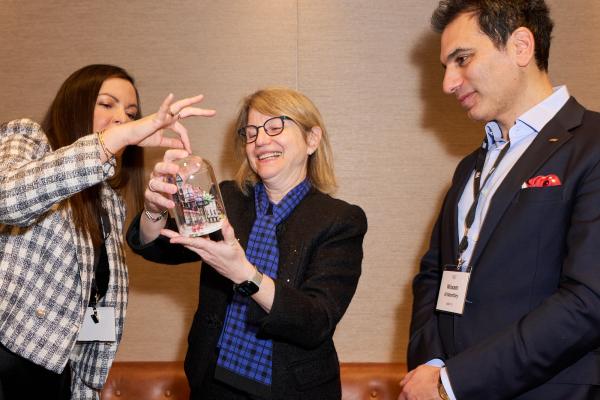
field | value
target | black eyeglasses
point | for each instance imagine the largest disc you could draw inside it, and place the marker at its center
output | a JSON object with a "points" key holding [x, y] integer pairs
{"points": [[273, 127]]}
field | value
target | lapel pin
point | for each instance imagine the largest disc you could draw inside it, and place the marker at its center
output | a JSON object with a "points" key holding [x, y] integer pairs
{"points": [[553, 139]]}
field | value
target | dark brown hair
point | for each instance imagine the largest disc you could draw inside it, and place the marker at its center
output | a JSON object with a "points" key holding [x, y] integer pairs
{"points": [[70, 117], [498, 19]]}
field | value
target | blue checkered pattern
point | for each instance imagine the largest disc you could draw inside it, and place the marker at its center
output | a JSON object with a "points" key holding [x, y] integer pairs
{"points": [[241, 352]]}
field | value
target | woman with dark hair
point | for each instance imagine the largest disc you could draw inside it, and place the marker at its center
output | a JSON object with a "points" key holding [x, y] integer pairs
{"points": [[63, 278], [273, 291]]}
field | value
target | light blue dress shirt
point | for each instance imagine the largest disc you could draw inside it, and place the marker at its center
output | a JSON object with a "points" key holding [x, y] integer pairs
{"points": [[521, 135]]}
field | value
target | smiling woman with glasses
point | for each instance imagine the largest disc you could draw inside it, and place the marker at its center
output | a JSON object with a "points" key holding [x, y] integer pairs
{"points": [[293, 261]]}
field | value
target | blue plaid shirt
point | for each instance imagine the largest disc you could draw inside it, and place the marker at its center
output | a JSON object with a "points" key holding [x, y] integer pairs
{"points": [[241, 352]]}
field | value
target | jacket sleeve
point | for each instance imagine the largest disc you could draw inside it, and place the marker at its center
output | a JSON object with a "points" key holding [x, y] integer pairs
{"points": [[425, 343], [307, 314], [33, 178], [159, 250]]}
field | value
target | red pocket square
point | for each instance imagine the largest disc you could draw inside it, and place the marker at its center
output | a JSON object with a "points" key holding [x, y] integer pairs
{"points": [[543, 180]]}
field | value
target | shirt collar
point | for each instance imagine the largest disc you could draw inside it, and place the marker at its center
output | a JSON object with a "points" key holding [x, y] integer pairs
{"points": [[530, 122], [289, 201], [538, 116]]}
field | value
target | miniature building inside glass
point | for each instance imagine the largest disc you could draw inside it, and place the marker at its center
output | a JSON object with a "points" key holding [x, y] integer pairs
{"points": [[199, 208]]}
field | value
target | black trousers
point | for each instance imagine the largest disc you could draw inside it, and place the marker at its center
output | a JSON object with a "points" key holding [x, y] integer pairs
{"points": [[21, 379], [213, 389], [564, 391]]}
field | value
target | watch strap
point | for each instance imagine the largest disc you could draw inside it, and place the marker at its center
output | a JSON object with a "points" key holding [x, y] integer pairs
{"points": [[258, 277]]}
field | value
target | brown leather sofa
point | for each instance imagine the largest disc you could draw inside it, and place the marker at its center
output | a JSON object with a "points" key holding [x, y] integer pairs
{"points": [[166, 381]]}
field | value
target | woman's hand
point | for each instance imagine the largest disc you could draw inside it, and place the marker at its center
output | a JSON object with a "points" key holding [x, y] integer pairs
{"points": [[149, 131], [157, 196], [227, 257]]}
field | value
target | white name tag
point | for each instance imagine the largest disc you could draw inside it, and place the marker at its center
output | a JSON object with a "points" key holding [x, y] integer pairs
{"points": [[453, 291], [103, 330]]}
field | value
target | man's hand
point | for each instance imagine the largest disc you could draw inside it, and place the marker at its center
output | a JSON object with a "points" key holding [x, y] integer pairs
{"points": [[421, 384]]}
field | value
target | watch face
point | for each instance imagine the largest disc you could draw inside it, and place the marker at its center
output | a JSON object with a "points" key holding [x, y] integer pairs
{"points": [[246, 289]]}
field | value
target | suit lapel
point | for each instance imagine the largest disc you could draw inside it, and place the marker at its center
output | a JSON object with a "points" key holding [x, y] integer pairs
{"points": [[245, 219], [292, 239], [534, 157]]}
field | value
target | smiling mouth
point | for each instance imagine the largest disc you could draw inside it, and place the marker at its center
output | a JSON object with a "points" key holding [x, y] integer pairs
{"points": [[267, 156], [463, 100]]}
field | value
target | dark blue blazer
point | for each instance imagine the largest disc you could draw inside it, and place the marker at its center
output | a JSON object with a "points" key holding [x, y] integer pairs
{"points": [[532, 319]]}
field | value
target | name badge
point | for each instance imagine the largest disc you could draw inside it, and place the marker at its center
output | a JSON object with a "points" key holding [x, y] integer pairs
{"points": [[98, 325], [453, 290]]}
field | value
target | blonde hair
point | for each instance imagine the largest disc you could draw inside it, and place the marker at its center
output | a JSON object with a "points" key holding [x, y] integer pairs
{"points": [[277, 101]]}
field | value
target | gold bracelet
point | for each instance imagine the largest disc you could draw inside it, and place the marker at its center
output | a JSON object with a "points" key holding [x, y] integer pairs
{"points": [[107, 152]]}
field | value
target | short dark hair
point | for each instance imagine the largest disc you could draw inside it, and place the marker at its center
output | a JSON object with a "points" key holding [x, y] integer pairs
{"points": [[498, 19], [70, 117]]}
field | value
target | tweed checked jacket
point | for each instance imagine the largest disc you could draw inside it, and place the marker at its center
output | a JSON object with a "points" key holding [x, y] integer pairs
{"points": [[46, 264]]}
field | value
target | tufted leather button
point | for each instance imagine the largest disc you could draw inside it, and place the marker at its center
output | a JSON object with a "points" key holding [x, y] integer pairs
{"points": [[40, 313], [373, 394], [118, 393], [167, 393]]}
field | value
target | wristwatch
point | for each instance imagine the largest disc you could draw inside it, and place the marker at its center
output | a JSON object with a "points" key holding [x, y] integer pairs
{"points": [[248, 288], [442, 391]]}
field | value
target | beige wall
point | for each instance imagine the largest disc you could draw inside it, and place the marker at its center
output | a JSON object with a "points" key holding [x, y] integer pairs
{"points": [[370, 66]]}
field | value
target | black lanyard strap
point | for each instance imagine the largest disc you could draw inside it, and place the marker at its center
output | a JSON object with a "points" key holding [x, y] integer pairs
{"points": [[101, 267], [477, 187]]}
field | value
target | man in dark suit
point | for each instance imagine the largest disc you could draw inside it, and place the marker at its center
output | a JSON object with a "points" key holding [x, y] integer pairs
{"points": [[507, 299]]}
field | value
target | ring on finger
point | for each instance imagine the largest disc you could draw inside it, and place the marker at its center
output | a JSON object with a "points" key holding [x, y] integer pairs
{"points": [[152, 189]]}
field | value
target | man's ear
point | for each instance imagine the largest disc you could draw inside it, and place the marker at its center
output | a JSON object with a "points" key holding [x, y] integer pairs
{"points": [[313, 138], [523, 44]]}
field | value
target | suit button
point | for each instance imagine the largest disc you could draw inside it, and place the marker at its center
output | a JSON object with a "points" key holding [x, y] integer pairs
{"points": [[40, 313]]}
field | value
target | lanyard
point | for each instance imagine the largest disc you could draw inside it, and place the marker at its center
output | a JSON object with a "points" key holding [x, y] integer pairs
{"points": [[94, 298], [477, 187]]}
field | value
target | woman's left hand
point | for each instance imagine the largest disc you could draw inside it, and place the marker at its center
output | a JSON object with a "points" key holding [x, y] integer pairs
{"points": [[227, 257]]}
